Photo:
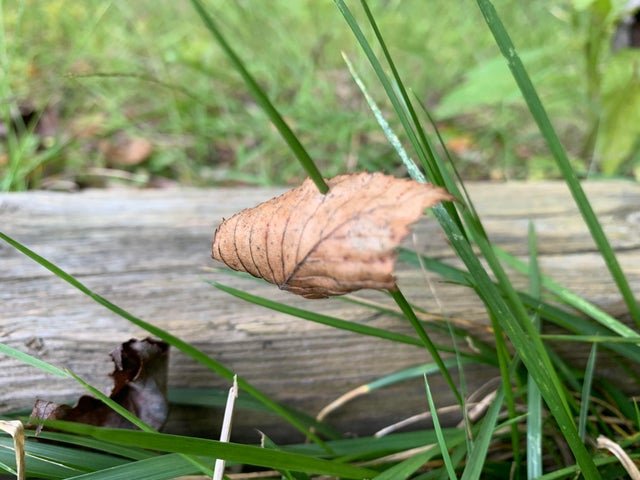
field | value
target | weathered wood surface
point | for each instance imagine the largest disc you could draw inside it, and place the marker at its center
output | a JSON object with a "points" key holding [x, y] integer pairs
{"points": [[148, 252]]}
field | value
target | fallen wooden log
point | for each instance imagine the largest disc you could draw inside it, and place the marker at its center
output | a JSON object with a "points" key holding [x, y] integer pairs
{"points": [[148, 251]]}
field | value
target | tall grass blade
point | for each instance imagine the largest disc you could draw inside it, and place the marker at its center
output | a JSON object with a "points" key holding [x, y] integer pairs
{"points": [[181, 345], [262, 99], [232, 452], [478, 455], [33, 361], [548, 132], [426, 340], [442, 442], [534, 401], [162, 467], [318, 317], [570, 298], [586, 391], [412, 168]]}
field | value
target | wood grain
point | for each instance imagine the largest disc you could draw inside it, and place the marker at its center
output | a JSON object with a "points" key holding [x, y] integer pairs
{"points": [[148, 252]]}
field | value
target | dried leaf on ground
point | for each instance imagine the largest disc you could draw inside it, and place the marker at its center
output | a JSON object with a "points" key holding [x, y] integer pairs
{"points": [[318, 245], [124, 150], [139, 385]]}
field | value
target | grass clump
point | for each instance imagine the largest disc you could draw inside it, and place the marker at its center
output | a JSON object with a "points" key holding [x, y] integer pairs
{"points": [[125, 93]]}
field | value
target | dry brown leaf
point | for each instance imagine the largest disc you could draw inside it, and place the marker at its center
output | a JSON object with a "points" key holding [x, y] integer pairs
{"points": [[139, 385], [318, 245]]}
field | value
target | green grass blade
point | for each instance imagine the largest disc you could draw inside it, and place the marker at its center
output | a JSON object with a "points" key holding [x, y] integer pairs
{"points": [[92, 444], [392, 138], [163, 467], [181, 345], [444, 448], [33, 361], [586, 391], [478, 455], [262, 99], [574, 323], [570, 297], [319, 318], [426, 340], [534, 400], [406, 468], [591, 339], [548, 132], [231, 452]]}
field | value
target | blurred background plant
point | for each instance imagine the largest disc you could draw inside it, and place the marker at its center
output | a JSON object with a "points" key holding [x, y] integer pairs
{"points": [[136, 93]]}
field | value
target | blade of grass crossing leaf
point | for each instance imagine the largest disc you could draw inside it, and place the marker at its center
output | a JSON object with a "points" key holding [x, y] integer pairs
{"points": [[442, 442], [426, 152], [262, 99], [477, 457], [555, 146], [586, 391], [184, 347], [116, 407], [534, 401]]}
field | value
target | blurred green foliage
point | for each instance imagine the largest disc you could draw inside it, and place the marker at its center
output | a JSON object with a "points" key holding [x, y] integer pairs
{"points": [[110, 73]]}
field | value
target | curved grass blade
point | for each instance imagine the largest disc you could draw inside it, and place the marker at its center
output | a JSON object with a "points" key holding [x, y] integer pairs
{"points": [[478, 455], [444, 448], [586, 391], [262, 99], [551, 313], [181, 345], [426, 340], [318, 317], [162, 467], [569, 297], [555, 146], [388, 380], [232, 452]]}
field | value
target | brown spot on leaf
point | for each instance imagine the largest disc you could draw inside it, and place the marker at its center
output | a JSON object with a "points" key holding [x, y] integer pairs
{"points": [[318, 245], [139, 385]]}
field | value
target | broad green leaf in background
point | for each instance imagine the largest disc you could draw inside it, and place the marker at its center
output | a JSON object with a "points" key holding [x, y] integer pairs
{"points": [[619, 129], [488, 83]]}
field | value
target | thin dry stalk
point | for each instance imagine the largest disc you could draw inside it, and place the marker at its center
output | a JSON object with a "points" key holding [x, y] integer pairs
{"points": [[225, 434], [15, 428], [622, 456]]}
